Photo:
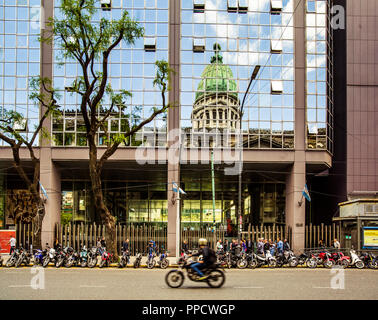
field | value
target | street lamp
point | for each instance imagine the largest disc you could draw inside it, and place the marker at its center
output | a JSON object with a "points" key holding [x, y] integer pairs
{"points": [[253, 77]]}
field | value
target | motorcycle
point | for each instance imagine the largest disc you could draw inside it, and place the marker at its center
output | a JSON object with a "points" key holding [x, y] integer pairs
{"points": [[223, 258], [49, 257], [325, 258], [12, 259], [138, 260], [163, 262], [60, 257], [105, 258], [72, 258], [24, 257], [92, 257], [237, 260], [369, 260], [287, 257], [151, 260], [258, 260], [308, 259], [215, 277], [340, 259], [355, 260], [38, 256], [124, 259], [83, 259]]}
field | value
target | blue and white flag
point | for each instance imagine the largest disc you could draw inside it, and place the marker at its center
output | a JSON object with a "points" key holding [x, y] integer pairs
{"points": [[305, 193], [176, 188], [43, 190]]}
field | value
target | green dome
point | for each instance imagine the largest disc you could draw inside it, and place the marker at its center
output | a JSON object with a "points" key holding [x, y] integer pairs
{"points": [[217, 77]]}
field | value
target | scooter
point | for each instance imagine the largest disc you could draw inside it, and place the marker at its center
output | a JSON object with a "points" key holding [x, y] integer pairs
{"points": [[355, 260]]}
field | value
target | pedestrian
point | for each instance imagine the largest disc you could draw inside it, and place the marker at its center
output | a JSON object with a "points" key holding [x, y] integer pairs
{"points": [[286, 245], [250, 246], [56, 245], [99, 247], [243, 246], [336, 243], [219, 246], [266, 246], [103, 243], [226, 245], [272, 247], [12, 241], [279, 246], [260, 246], [185, 247], [321, 244], [125, 246], [151, 246]]}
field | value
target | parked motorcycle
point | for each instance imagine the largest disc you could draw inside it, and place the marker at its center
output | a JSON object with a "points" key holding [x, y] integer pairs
{"points": [[258, 260], [49, 257], [124, 259], [151, 260], [369, 260], [215, 277], [92, 257], [308, 259], [286, 257], [223, 258], [12, 259], [106, 258], [23, 257], [325, 258], [340, 259], [38, 256], [83, 258], [237, 260], [163, 261], [138, 260], [60, 257], [355, 260], [72, 257]]}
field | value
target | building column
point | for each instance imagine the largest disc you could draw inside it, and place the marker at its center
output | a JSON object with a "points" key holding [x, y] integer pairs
{"points": [[173, 127], [49, 173], [295, 205], [296, 179]]}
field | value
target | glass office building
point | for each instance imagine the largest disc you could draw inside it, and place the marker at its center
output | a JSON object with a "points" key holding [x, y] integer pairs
{"points": [[213, 46]]}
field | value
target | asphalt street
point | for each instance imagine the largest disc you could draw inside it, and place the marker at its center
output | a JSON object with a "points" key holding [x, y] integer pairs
{"points": [[144, 284]]}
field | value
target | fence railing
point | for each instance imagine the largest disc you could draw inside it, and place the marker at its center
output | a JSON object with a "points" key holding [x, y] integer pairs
{"points": [[76, 234]]}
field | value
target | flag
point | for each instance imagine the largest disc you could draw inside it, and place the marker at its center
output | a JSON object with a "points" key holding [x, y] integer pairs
{"points": [[176, 188], [43, 190], [305, 193]]}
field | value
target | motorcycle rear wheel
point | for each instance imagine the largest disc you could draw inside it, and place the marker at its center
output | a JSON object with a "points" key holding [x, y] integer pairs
{"points": [[164, 264], [293, 262], [311, 263], [92, 262], [216, 279], [174, 279], [242, 263], [252, 264], [10, 262], [102, 263], [45, 262], [345, 263], [360, 264], [18, 263]]}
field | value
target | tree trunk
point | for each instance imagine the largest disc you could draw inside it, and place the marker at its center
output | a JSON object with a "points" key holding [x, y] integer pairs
{"points": [[99, 201]]}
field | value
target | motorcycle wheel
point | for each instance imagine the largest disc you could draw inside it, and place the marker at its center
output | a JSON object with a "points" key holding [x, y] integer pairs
{"points": [[150, 264], [10, 262], [293, 262], [18, 262], [102, 263], [216, 279], [69, 263], [345, 263], [272, 263], [45, 261], [164, 264], [311, 263], [92, 262], [242, 263], [174, 279], [83, 263], [253, 264], [27, 262], [59, 262], [360, 264], [121, 263], [329, 263]]}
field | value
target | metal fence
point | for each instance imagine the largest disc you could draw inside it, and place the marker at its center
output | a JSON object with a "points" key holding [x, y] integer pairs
{"points": [[77, 234]]}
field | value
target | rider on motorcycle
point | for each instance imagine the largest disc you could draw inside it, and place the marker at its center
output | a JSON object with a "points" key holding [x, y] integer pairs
{"points": [[209, 258]]}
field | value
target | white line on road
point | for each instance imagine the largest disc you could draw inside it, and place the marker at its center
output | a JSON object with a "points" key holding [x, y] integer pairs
{"points": [[248, 287], [20, 286], [84, 286], [322, 288]]}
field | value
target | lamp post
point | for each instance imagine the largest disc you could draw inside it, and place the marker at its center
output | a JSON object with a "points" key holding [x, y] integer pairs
{"points": [[253, 77]]}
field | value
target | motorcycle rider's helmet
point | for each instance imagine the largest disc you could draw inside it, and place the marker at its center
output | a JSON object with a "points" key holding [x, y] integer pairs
{"points": [[202, 242]]}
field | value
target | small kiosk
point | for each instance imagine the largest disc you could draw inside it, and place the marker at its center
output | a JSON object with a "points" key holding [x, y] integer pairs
{"points": [[358, 222]]}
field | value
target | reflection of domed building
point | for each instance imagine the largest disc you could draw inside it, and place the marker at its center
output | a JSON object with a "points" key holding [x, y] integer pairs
{"points": [[216, 104]]}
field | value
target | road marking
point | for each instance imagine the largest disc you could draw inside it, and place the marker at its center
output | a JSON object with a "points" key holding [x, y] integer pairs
{"points": [[322, 288], [20, 286], [248, 287], [84, 286]]}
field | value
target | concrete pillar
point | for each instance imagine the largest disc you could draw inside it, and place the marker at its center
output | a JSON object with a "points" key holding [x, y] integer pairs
{"points": [[295, 212], [296, 179], [49, 175], [173, 121]]}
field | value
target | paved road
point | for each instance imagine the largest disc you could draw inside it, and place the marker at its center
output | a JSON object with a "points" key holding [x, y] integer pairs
{"points": [[144, 284]]}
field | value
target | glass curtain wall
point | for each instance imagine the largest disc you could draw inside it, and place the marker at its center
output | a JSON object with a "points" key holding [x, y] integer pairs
{"points": [[319, 48], [248, 34], [19, 59], [131, 68]]}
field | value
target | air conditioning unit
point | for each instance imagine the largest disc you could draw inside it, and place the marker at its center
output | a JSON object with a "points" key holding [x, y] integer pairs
{"points": [[275, 46], [106, 5], [276, 87], [199, 45], [232, 5], [199, 6], [243, 6], [20, 125], [275, 6], [150, 44]]}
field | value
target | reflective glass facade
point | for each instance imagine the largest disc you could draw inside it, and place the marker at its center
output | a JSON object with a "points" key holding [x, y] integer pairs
{"points": [[19, 58], [253, 35], [131, 68]]}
